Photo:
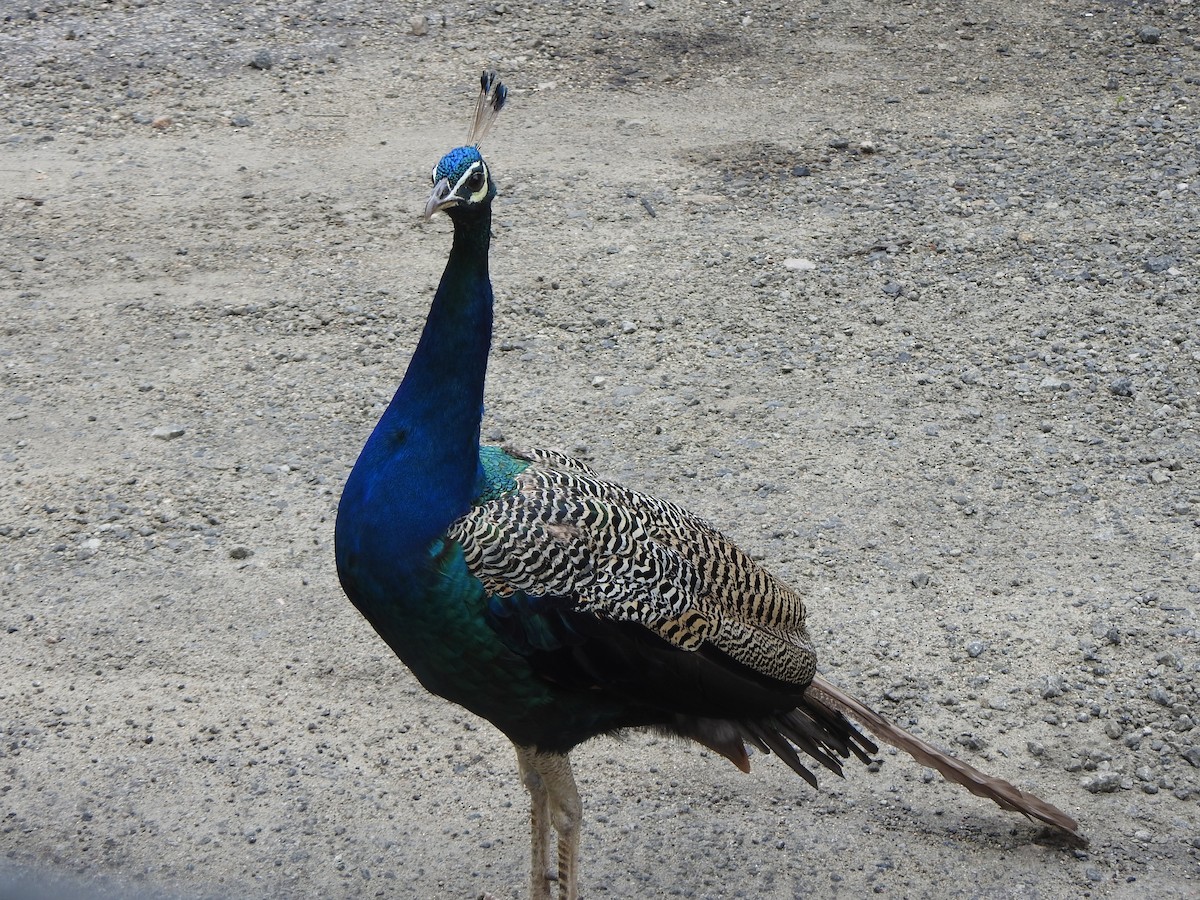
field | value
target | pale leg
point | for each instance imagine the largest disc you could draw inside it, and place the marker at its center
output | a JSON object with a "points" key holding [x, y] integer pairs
{"points": [[539, 826], [552, 789]]}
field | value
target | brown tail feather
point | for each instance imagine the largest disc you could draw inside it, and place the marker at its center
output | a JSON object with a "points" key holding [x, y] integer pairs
{"points": [[1006, 795]]}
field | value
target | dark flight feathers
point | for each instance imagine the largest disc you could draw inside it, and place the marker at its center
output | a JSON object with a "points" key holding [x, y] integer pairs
{"points": [[606, 589]]}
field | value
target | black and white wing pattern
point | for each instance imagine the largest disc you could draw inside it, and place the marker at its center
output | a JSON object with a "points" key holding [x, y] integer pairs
{"points": [[624, 556]]}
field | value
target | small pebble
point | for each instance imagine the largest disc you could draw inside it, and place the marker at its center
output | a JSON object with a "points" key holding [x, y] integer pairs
{"points": [[418, 25], [167, 432], [799, 264], [1102, 783], [1053, 686], [971, 741], [1148, 34], [1121, 386], [262, 60], [975, 648], [1160, 696]]}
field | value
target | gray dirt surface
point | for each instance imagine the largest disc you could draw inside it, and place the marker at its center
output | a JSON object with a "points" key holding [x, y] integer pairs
{"points": [[902, 296]]}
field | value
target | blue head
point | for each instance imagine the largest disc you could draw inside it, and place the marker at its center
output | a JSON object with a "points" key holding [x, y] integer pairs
{"points": [[461, 179]]}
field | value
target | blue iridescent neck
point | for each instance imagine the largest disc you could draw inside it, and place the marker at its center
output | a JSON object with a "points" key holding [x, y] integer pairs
{"points": [[443, 387], [420, 468]]}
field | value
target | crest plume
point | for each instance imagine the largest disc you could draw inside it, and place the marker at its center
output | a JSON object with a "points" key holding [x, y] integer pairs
{"points": [[492, 95]]}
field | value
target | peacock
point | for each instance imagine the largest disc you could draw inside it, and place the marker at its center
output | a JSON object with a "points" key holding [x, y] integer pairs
{"points": [[561, 606]]}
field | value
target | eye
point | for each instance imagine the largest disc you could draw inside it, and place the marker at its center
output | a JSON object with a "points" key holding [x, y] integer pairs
{"points": [[475, 180]]}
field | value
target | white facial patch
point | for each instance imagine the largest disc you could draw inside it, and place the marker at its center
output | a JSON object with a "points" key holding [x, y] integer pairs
{"points": [[476, 197]]}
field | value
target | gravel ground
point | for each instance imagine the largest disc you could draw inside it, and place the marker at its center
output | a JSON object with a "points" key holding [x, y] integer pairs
{"points": [[902, 296]]}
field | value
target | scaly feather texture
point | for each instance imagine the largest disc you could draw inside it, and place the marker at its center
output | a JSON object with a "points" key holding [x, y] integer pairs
{"points": [[561, 606]]}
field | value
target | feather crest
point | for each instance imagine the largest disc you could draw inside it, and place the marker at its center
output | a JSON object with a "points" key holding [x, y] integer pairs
{"points": [[492, 96]]}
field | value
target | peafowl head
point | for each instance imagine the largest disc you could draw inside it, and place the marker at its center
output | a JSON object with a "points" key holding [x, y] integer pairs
{"points": [[461, 179]]}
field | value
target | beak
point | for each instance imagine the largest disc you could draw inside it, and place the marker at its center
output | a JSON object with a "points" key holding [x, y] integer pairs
{"points": [[441, 198]]}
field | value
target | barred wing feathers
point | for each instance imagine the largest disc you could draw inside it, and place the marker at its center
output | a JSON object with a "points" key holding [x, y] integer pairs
{"points": [[628, 557]]}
